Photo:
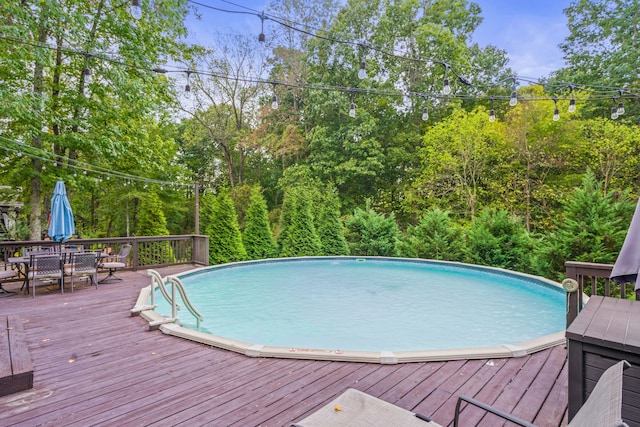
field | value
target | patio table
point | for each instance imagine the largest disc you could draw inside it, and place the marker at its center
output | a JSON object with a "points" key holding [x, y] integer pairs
{"points": [[21, 264]]}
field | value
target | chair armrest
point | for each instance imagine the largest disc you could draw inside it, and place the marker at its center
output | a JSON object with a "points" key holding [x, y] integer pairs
{"points": [[490, 409]]}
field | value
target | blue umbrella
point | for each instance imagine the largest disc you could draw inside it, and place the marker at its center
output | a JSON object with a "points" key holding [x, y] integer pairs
{"points": [[61, 226]]}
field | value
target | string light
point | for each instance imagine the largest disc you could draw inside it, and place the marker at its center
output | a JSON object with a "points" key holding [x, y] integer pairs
{"points": [[614, 109], [362, 72], [492, 113], [135, 10], [261, 37], [513, 101], [86, 72], [556, 112], [620, 105], [352, 107], [187, 87], [572, 101], [425, 109], [77, 165], [274, 98]]}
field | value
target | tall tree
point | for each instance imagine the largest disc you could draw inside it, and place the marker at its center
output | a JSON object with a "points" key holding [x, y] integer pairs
{"points": [[591, 229], [458, 158], [223, 107], [435, 237], [298, 236], [329, 226], [225, 239], [257, 236], [372, 233], [498, 239], [603, 49], [56, 111]]}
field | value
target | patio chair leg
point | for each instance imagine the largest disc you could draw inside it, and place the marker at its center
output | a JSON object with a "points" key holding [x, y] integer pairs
{"points": [[5, 292], [111, 277]]}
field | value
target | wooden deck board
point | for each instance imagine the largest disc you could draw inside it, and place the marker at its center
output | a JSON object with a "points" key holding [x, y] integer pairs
{"points": [[94, 364]]}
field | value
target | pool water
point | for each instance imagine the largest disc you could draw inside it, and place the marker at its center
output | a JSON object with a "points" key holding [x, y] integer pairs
{"points": [[370, 305]]}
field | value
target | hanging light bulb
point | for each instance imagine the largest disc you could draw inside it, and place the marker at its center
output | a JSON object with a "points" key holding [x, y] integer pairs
{"points": [[492, 115], [135, 10], [614, 112], [187, 87], [44, 167], [352, 109], [19, 153], [514, 99], [86, 72], [572, 105], [362, 72], [425, 113], [274, 98], [620, 108], [556, 112], [261, 37], [446, 88]]}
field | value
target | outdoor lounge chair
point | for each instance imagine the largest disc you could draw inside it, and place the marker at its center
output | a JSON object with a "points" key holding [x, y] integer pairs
{"points": [[115, 262], [354, 408], [82, 265]]}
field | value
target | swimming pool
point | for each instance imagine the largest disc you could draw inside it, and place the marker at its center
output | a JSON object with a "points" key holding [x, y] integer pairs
{"points": [[386, 310]]}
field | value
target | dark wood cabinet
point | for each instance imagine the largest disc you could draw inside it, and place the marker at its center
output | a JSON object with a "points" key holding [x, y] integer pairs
{"points": [[606, 330]]}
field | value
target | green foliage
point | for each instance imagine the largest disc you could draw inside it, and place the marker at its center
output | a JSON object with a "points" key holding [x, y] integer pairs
{"points": [[373, 234], [329, 226], [225, 239], [257, 237], [151, 219], [298, 235], [498, 239], [592, 229], [435, 237], [459, 157], [152, 222], [601, 49]]}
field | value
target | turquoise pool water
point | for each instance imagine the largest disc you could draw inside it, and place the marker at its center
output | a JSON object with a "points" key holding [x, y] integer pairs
{"points": [[370, 305]]}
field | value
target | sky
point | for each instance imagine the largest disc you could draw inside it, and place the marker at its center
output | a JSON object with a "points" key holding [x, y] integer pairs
{"points": [[530, 31]]}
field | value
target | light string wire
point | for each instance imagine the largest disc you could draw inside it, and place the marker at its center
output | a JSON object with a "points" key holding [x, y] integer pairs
{"points": [[86, 168], [624, 94], [449, 66]]}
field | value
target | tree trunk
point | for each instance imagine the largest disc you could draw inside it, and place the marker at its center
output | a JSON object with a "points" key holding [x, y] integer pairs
{"points": [[35, 202]]}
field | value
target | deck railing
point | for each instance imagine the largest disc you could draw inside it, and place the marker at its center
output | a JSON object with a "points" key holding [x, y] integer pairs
{"points": [[592, 279], [146, 251]]}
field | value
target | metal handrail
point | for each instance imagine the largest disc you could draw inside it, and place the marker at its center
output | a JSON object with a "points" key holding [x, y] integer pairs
{"points": [[159, 282]]}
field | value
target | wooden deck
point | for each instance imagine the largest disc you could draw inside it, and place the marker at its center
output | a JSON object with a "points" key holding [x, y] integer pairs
{"points": [[96, 365]]}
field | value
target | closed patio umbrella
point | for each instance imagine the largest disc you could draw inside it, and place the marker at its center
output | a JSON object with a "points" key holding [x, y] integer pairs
{"points": [[61, 226], [627, 265]]}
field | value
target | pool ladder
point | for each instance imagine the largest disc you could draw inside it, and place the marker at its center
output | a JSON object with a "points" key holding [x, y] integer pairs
{"points": [[159, 282]]}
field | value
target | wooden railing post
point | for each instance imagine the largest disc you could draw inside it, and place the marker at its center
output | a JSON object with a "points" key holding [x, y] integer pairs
{"points": [[134, 252], [574, 298]]}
